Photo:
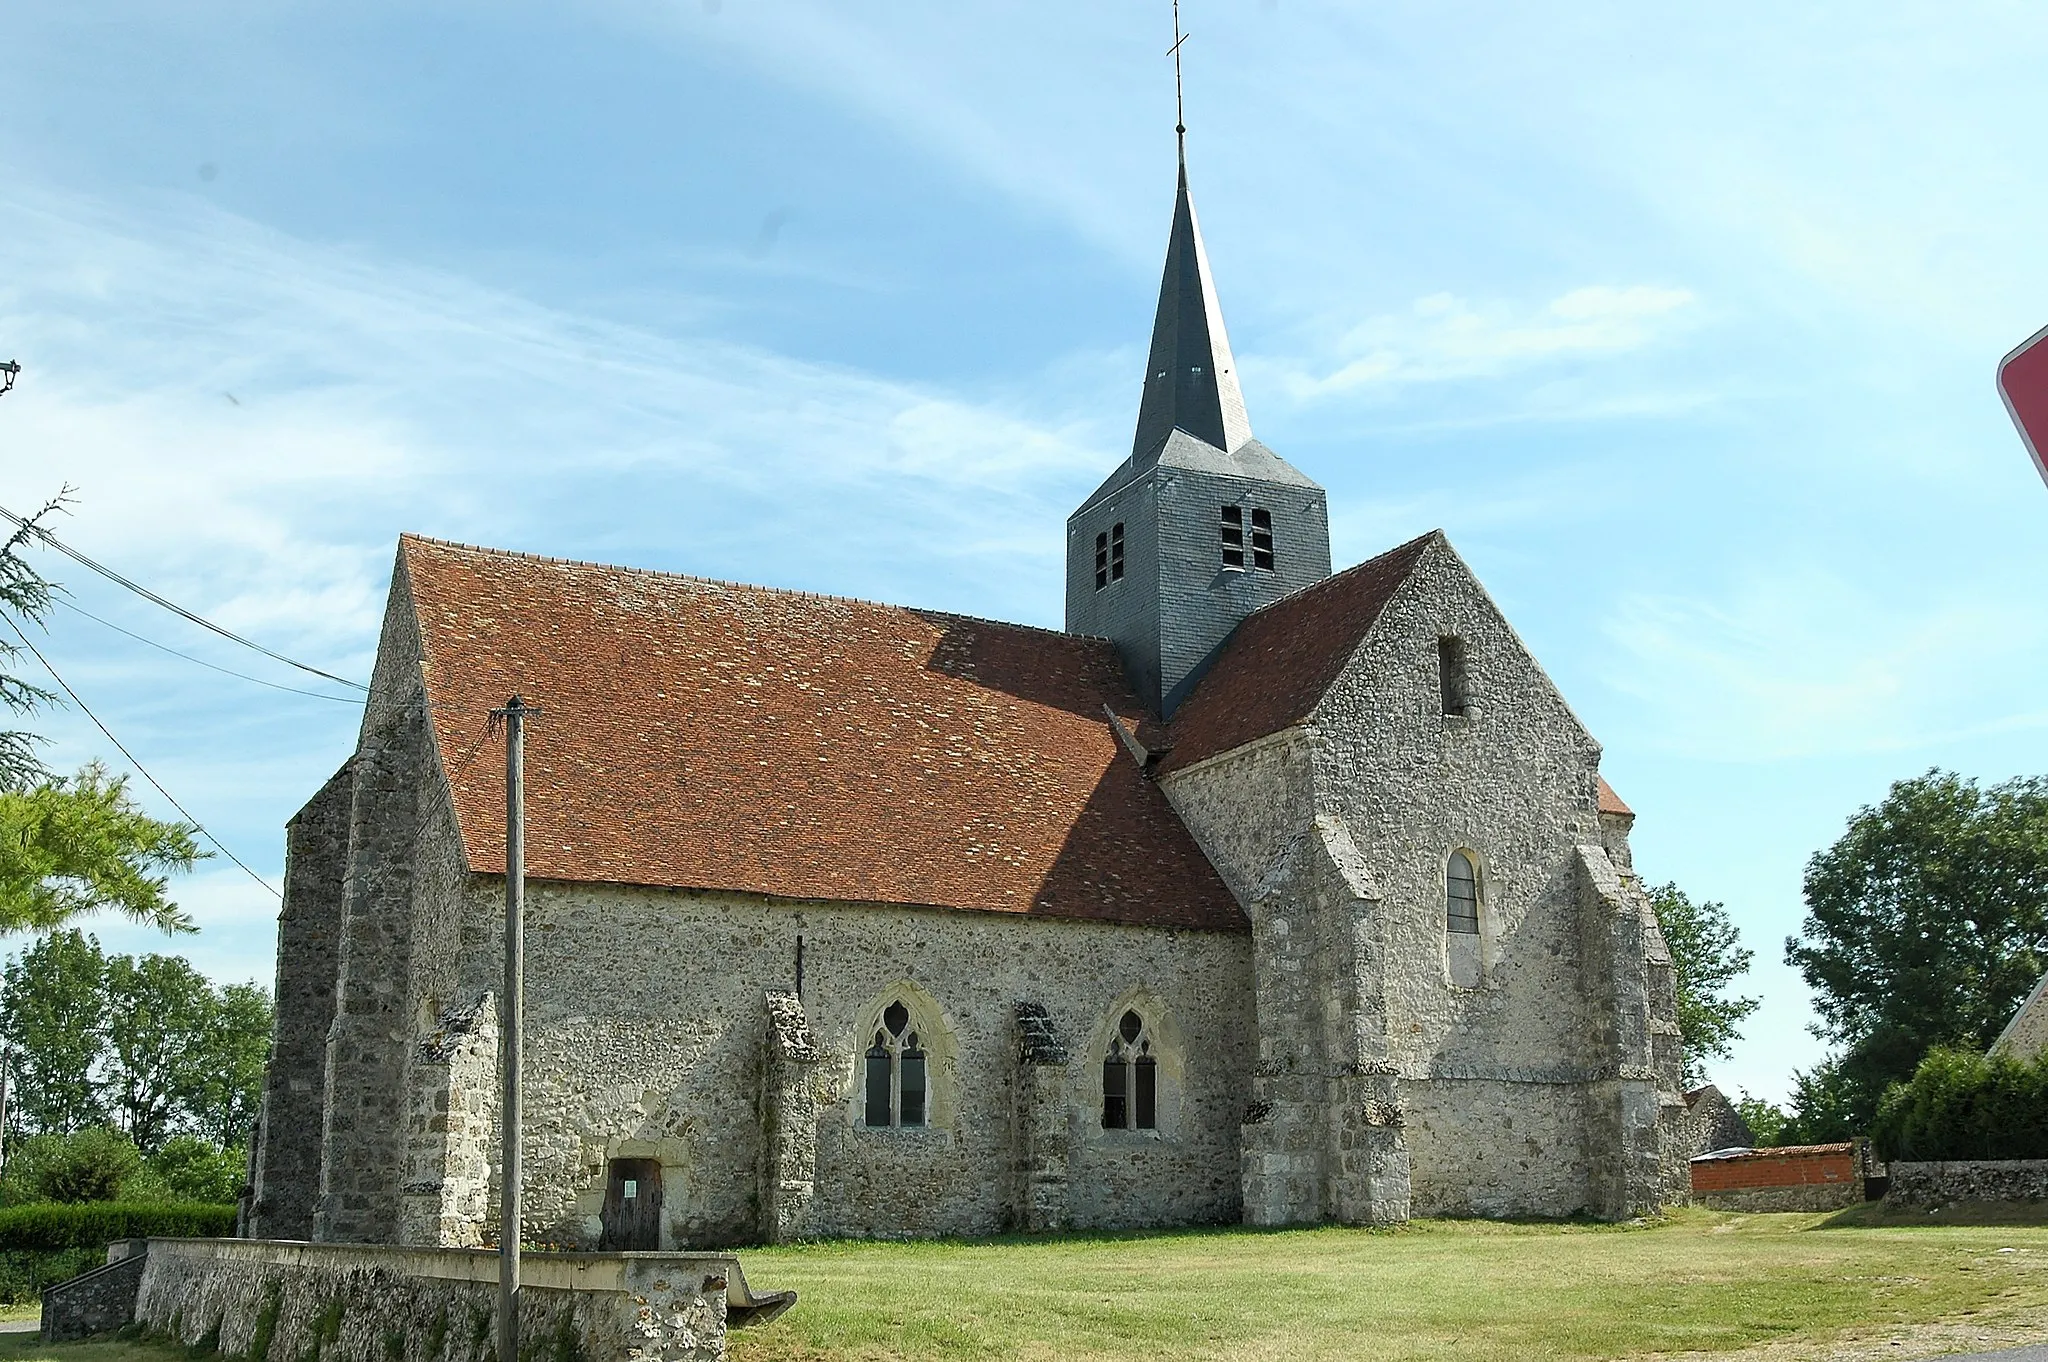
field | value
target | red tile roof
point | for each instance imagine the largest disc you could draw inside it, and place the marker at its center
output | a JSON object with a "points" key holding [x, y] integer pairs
{"points": [[1280, 661], [1610, 802], [699, 734]]}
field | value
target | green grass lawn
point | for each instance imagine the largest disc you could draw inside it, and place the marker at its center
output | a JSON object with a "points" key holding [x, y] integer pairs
{"points": [[1700, 1281]]}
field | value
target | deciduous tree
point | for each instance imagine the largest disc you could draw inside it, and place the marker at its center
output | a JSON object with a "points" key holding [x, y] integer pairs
{"points": [[1707, 956], [1926, 925]]}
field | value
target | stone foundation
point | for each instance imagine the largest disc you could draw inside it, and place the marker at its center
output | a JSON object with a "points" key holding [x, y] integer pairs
{"points": [[266, 1301]]}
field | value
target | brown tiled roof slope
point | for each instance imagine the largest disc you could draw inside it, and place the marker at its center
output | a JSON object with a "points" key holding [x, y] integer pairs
{"points": [[1610, 802], [699, 734], [1282, 660]]}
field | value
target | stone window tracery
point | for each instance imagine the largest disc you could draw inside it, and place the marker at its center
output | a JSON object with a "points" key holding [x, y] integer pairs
{"points": [[897, 1086], [1130, 1077]]}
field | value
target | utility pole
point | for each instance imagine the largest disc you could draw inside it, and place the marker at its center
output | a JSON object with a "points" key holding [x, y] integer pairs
{"points": [[512, 1025]]}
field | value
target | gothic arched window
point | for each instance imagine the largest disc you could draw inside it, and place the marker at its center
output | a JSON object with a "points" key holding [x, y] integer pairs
{"points": [[1461, 895], [896, 1072], [1130, 1078]]}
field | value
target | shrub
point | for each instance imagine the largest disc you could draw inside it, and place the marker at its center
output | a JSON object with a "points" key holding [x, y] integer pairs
{"points": [[50, 1241], [1963, 1105], [48, 1226], [87, 1165]]}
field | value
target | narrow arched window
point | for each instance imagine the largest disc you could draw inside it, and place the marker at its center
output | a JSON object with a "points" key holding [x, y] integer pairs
{"points": [[1461, 895], [1130, 1078], [896, 1087]]}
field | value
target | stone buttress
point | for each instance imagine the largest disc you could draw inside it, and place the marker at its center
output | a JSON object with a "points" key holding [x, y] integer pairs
{"points": [[789, 1120], [1322, 1137], [288, 1150], [1044, 1125]]}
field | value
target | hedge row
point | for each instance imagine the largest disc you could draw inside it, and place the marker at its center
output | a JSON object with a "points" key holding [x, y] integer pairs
{"points": [[1961, 1105], [45, 1226]]}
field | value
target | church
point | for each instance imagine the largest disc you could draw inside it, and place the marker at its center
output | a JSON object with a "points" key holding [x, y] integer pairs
{"points": [[1260, 893]]}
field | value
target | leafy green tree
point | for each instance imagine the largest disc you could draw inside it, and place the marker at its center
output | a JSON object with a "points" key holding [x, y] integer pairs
{"points": [[69, 847], [1707, 956], [160, 1013], [53, 1017], [1766, 1120], [1926, 925], [194, 1169], [83, 845], [148, 1044], [1830, 1102], [221, 1093]]}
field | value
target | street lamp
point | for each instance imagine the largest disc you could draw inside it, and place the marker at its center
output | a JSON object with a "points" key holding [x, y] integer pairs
{"points": [[8, 369]]}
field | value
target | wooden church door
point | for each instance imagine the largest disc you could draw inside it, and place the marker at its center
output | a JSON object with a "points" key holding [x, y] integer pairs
{"points": [[632, 1207]]}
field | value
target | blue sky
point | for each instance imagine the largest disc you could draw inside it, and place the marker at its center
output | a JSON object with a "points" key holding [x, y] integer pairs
{"points": [[1681, 324]]}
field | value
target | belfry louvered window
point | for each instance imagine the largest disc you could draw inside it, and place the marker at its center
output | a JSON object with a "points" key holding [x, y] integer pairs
{"points": [[1461, 895], [1262, 540], [896, 1071], [1233, 536], [1109, 556], [1130, 1078]]}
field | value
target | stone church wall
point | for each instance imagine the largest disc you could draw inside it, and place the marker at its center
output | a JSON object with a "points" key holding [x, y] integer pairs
{"points": [[648, 1032], [1539, 1089], [1512, 782]]}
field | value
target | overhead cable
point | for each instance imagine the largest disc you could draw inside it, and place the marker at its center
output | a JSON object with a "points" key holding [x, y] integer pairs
{"points": [[65, 686], [103, 570], [211, 666]]}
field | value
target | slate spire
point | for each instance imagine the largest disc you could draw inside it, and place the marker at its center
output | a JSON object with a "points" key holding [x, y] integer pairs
{"points": [[1190, 376]]}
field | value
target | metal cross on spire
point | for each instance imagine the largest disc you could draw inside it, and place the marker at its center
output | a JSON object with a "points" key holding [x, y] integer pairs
{"points": [[1180, 122]]}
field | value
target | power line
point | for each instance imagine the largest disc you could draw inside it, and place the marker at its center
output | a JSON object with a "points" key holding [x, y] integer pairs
{"points": [[103, 570], [65, 686], [211, 666]]}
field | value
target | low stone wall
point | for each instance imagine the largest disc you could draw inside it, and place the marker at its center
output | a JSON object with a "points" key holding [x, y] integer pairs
{"points": [[1941, 1184], [268, 1301], [1818, 1196], [98, 1301]]}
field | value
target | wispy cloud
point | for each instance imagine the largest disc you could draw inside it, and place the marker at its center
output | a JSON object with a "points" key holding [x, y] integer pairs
{"points": [[1443, 337], [1802, 664]]}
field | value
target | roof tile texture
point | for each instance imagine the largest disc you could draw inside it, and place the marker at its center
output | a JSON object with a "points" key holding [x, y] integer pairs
{"points": [[1280, 661], [699, 734]]}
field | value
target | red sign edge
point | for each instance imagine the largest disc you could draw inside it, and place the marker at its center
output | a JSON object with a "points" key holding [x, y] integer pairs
{"points": [[2040, 463]]}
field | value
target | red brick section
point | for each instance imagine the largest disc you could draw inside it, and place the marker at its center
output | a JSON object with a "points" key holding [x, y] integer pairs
{"points": [[1282, 660], [1792, 1166], [1610, 802], [699, 734]]}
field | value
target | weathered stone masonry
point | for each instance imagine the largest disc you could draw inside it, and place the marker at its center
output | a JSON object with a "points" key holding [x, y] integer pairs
{"points": [[287, 1183], [1335, 843]]}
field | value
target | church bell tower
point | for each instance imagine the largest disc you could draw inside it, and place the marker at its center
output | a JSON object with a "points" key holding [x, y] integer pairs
{"points": [[1202, 524]]}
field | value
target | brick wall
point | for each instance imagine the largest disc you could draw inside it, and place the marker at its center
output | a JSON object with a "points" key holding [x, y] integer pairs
{"points": [[1794, 1166]]}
